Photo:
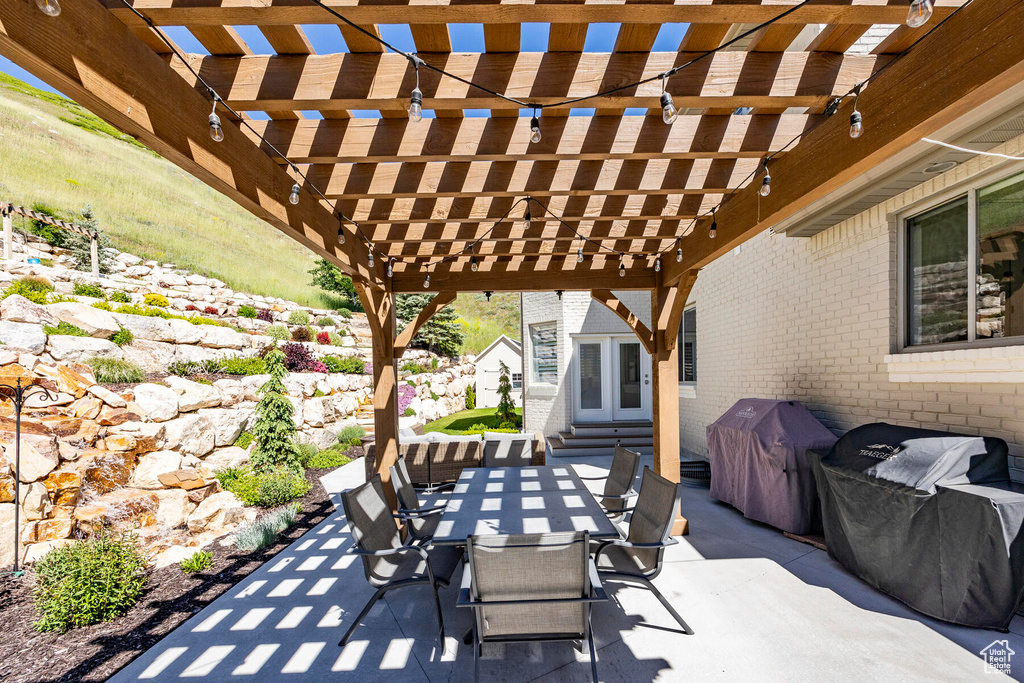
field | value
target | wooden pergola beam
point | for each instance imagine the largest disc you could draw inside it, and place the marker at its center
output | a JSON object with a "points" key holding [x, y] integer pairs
{"points": [[508, 139], [919, 94], [92, 57], [571, 12], [542, 274], [615, 305], [440, 300], [366, 81]]}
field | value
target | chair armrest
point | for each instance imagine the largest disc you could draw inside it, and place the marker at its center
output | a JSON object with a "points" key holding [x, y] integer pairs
{"points": [[405, 514], [436, 487], [465, 598], [618, 513], [401, 549], [627, 544], [596, 587], [592, 478], [623, 496]]}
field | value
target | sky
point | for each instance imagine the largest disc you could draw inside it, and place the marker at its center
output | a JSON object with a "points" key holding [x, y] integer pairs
{"points": [[326, 38]]}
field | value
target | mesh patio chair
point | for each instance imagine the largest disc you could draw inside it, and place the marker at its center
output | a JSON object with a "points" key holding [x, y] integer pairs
{"points": [[640, 557], [421, 522], [387, 563], [530, 588], [508, 451], [618, 485]]}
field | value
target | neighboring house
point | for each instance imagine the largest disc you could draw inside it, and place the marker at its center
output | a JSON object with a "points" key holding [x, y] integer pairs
{"points": [[502, 350], [862, 307]]}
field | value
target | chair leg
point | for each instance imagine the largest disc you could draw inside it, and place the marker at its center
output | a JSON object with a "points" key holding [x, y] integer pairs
{"points": [[476, 656], [359, 619], [593, 655], [440, 618], [671, 610]]}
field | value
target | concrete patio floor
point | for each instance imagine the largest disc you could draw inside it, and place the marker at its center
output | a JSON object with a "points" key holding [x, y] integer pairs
{"points": [[764, 608]]}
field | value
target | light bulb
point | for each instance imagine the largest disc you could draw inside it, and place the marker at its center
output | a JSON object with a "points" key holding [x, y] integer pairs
{"points": [[713, 232], [679, 254], [416, 106], [426, 282], [766, 186], [668, 110], [527, 218], [341, 235], [473, 264], [534, 130], [856, 124], [579, 255], [216, 130], [488, 295], [294, 196], [657, 265], [391, 271], [622, 269], [369, 259], [50, 8], [920, 12]]}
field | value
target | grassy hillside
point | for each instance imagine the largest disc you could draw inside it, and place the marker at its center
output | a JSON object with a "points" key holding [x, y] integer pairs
{"points": [[485, 321], [55, 152]]}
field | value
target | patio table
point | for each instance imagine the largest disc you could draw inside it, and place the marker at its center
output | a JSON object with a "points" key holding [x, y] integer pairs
{"points": [[520, 500]]}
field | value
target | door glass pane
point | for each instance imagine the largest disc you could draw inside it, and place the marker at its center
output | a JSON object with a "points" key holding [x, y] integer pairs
{"points": [[1000, 266], [629, 376], [937, 275], [590, 376]]}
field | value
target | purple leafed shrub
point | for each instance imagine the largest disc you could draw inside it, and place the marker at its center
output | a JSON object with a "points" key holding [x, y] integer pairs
{"points": [[406, 394], [264, 315], [368, 369], [297, 358]]}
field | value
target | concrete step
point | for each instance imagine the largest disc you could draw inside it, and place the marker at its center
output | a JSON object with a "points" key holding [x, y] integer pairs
{"points": [[559, 449], [631, 428], [570, 439]]}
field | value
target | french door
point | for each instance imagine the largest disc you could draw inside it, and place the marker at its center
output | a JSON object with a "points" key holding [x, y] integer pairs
{"points": [[611, 379]]}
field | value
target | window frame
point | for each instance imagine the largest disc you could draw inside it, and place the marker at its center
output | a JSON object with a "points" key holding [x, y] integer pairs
{"points": [[535, 380], [969, 189], [681, 345], [516, 383]]}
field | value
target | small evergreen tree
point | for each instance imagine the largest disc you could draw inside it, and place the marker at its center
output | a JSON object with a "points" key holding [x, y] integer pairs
{"points": [[274, 428], [329, 278], [441, 334], [81, 249], [506, 407]]}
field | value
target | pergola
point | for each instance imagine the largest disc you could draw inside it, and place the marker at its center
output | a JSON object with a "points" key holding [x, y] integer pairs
{"points": [[453, 187]]}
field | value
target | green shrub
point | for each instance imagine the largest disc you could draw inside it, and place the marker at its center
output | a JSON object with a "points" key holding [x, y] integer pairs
{"points": [[306, 451], [115, 371], [328, 458], [344, 313], [246, 312], [351, 435], [508, 426], [409, 412], [202, 380], [257, 535], [158, 300], [35, 289], [413, 367], [88, 582], [197, 563], [122, 337], [53, 235], [298, 318], [434, 362], [274, 428], [103, 305], [48, 262], [201, 320], [148, 311], [335, 339], [88, 289], [301, 334], [266, 489], [119, 296], [243, 365], [55, 298], [470, 397], [324, 321], [244, 440], [278, 332], [352, 365], [66, 330], [183, 368]]}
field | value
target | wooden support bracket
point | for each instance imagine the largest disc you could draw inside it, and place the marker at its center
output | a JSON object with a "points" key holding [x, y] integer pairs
{"points": [[612, 302]]}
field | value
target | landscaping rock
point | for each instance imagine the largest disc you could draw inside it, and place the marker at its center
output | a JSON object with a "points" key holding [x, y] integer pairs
{"points": [[321, 438], [66, 379], [301, 384], [184, 332], [196, 354], [137, 271], [22, 336], [215, 513], [65, 348], [151, 466], [98, 323], [187, 478], [87, 408], [63, 487], [227, 424], [18, 309], [109, 417], [159, 402], [39, 455], [6, 486], [222, 338], [151, 356], [7, 357], [225, 458], [231, 391], [251, 385], [193, 395], [173, 555], [35, 501], [174, 508], [120, 509], [107, 396], [318, 411], [103, 471], [189, 435], [146, 327], [37, 551], [6, 533]]}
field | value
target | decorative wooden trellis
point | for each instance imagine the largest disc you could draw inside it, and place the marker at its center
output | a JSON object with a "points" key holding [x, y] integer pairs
{"points": [[8, 211]]}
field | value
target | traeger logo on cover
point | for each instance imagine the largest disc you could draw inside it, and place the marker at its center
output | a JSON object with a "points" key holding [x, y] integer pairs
{"points": [[882, 451], [747, 413]]}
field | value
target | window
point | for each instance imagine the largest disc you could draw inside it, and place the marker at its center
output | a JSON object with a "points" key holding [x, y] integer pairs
{"points": [[976, 238], [544, 339], [688, 346], [517, 380]]}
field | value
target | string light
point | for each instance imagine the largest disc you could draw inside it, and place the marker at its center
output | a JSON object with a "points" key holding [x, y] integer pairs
{"points": [[416, 97], [50, 8], [558, 293], [391, 271], [579, 252], [713, 232], [369, 259], [341, 235], [535, 128], [294, 196], [766, 184], [426, 282], [679, 250], [488, 295], [856, 120], [920, 12], [669, 113], [657, 264], [473, 266], [622, 267], [527, 218], [216, 130]]}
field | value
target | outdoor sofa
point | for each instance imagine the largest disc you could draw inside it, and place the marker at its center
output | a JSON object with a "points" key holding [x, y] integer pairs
{"points": [[436, 458]]}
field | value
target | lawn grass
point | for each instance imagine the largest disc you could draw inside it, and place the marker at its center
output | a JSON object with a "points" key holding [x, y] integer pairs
{"points": [[462, 421], [55, 152]]}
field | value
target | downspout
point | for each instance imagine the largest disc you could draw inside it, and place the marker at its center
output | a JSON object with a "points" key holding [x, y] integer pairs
{"points": [[522, 360]]}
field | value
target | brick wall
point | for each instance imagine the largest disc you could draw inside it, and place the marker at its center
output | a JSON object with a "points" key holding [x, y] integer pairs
{"points": [[813, 319]]}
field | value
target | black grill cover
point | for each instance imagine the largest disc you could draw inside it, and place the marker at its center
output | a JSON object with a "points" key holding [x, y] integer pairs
{"points": [[928, 517], [758, 460]]}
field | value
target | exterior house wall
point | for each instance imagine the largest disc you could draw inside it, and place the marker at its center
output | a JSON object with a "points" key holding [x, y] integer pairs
{"points": [[549, 406], [814, 319], [487, 367]]}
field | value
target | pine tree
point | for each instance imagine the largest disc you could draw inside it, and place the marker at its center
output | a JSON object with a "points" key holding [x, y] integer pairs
{"points": [[274, 428], [81, 249], [506, 407], [442, 334]]}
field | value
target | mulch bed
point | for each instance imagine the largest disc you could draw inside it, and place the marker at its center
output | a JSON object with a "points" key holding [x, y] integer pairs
{"points": [[95, 653]]}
